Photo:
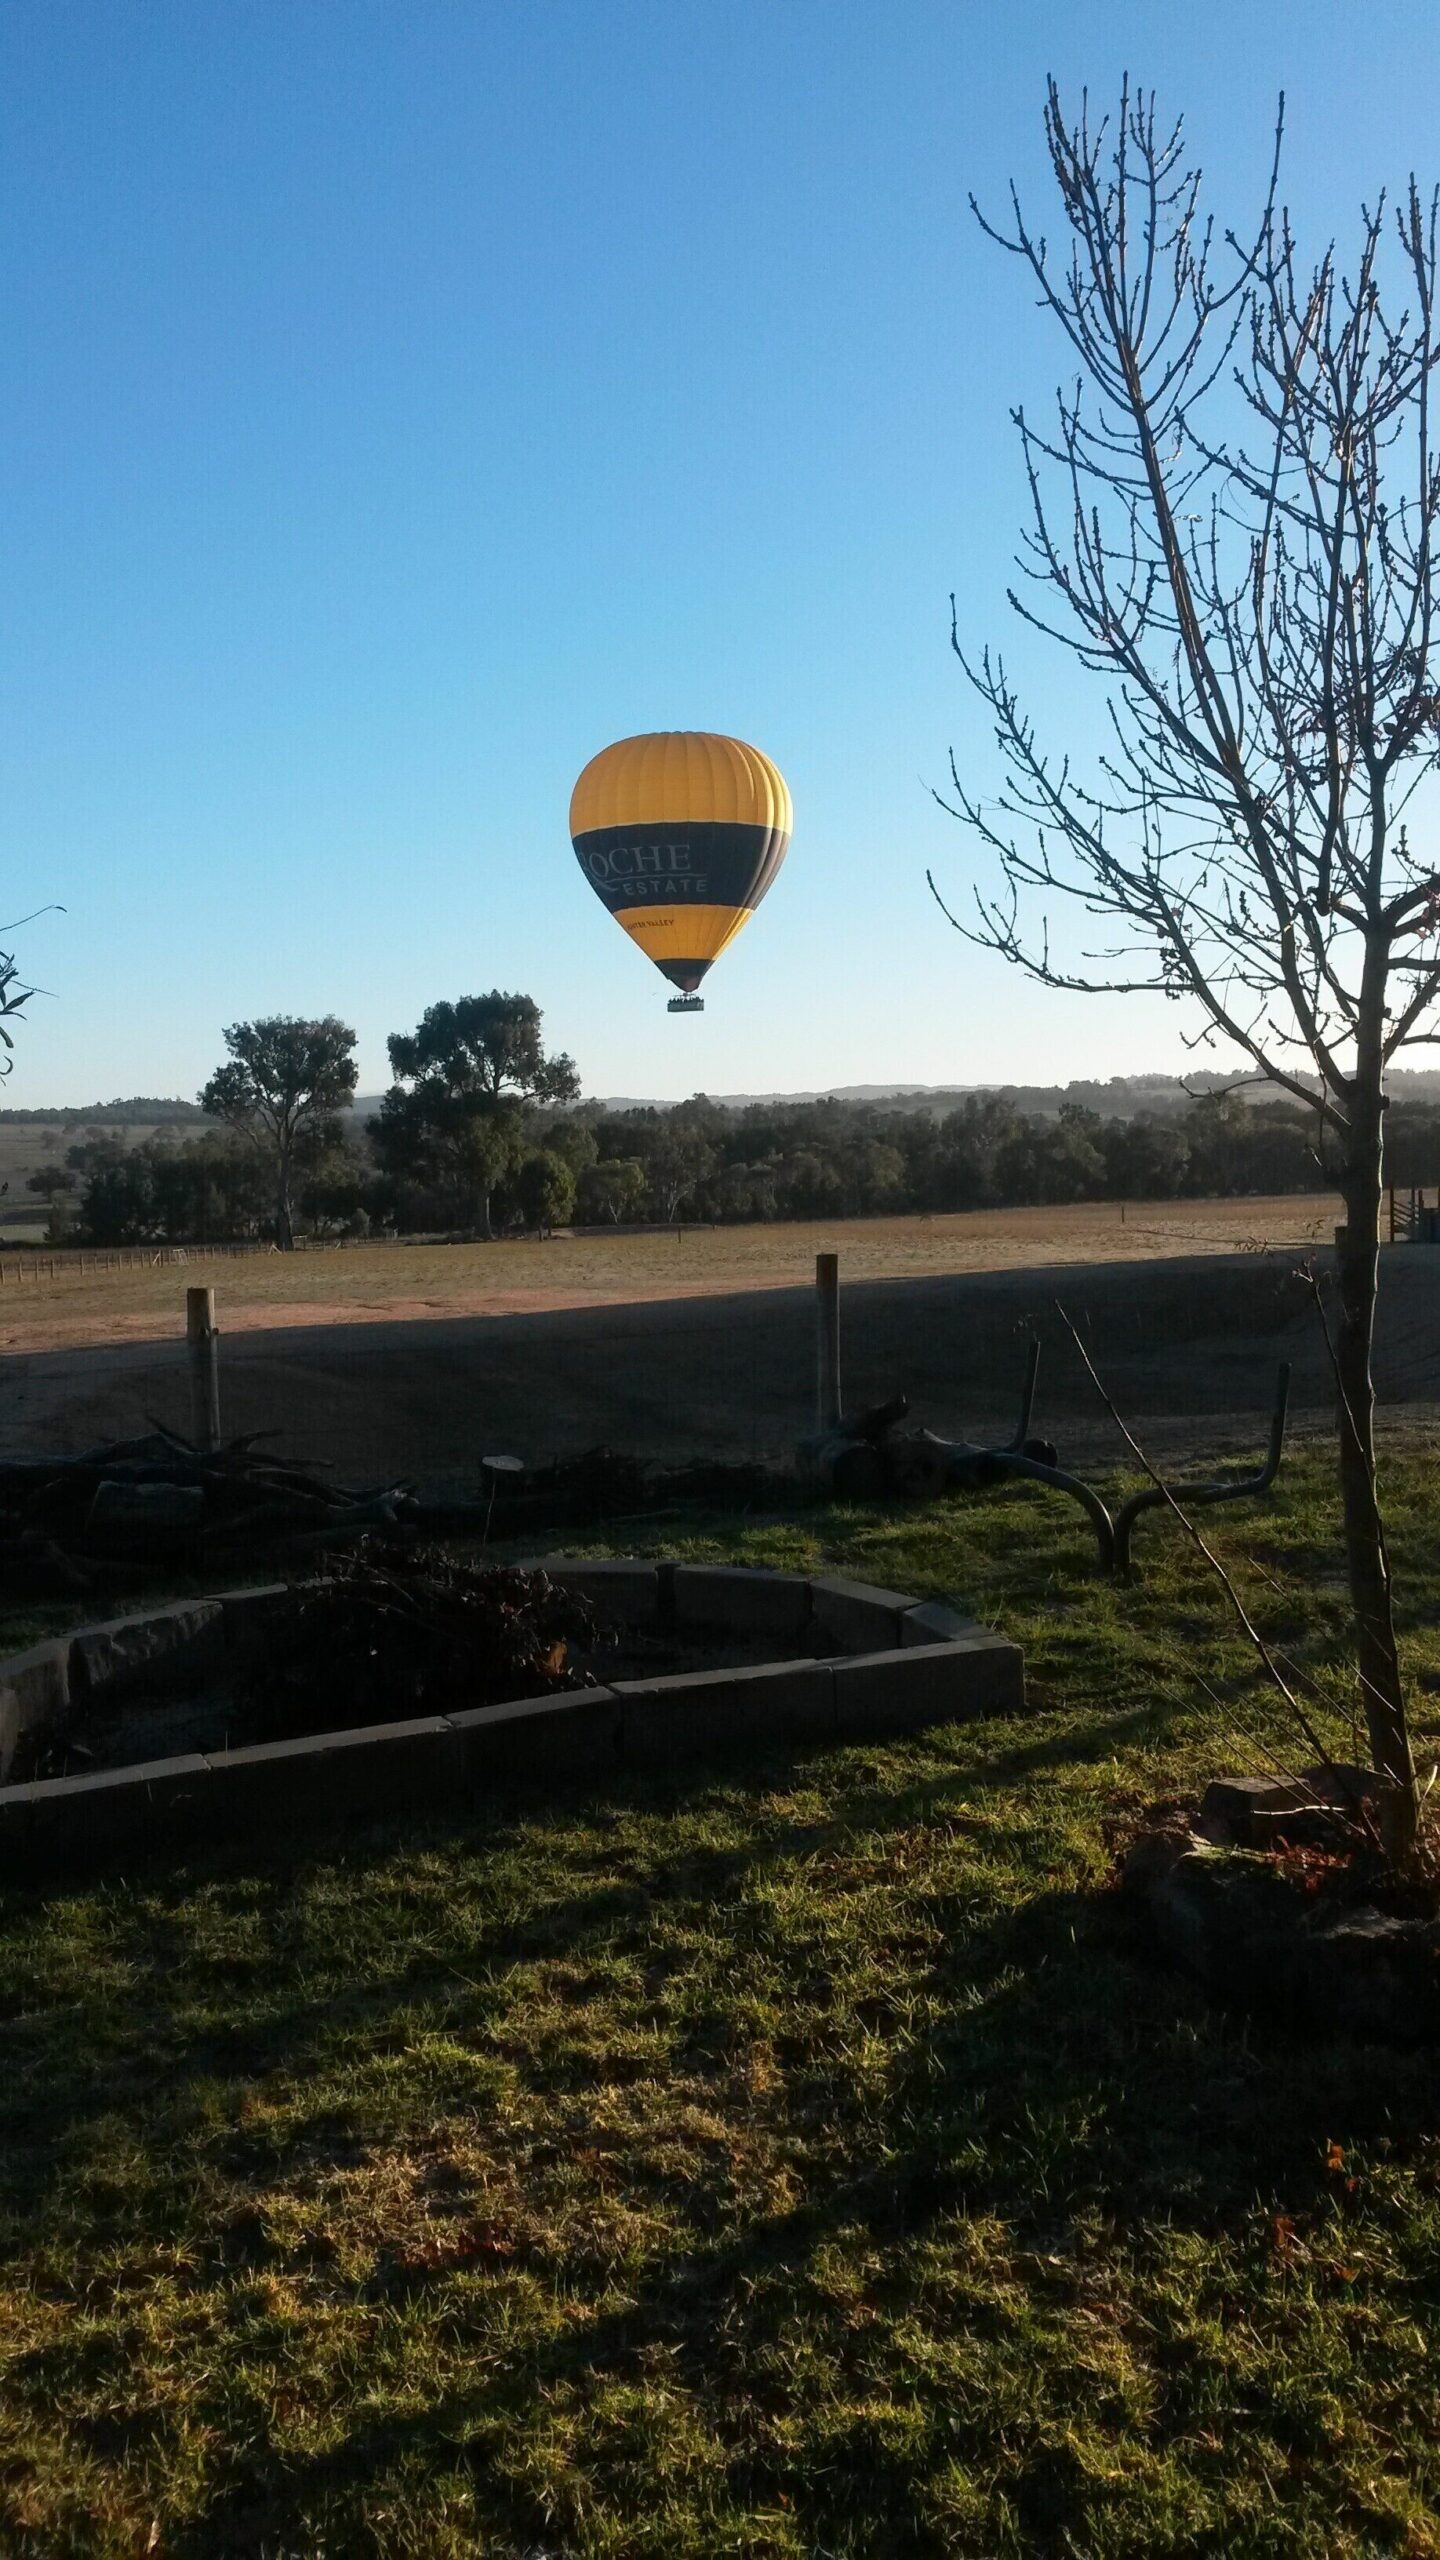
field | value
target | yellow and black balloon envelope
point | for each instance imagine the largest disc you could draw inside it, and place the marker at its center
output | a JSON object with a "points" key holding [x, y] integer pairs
{"points": [[680, 835]]}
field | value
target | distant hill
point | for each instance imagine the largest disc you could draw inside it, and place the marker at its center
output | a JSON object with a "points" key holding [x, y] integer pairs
{"points": [[154, 1111], [1114, 1097]]}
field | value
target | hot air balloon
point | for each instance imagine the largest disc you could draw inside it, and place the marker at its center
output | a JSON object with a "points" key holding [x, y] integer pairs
{"points": [[680, 835]]}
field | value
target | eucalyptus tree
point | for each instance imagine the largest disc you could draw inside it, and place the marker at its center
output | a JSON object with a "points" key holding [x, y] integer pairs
{"points": [[467, 1082], [282, 1087]]}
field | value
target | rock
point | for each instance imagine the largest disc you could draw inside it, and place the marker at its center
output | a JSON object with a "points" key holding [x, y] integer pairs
{"points": [[179, 1638], [1315, 1808], [1225, 1914], [11, 1730], [36, 1687], [1229, 1806], [1377, 1976], [1152, 1856], [1252, 1937], [147, 1506], [1343, 1783]]}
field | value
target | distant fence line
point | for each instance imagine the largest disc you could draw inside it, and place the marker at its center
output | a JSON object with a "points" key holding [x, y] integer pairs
{"points": [[1411, 1219], [25, 1266], [31, 1266]]}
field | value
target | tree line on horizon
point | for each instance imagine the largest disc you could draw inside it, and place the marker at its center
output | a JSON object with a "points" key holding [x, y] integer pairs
{"points": [[482, 1133]]}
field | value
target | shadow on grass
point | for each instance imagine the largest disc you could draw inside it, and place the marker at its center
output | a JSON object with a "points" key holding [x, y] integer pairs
{"points": [[1072, 2086], [85, 2061], [81, 2062], [1059, 2084]]}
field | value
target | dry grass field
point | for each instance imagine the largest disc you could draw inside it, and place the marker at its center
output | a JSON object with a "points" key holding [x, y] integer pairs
{"points": [[393, 1360], [404, 1284]]}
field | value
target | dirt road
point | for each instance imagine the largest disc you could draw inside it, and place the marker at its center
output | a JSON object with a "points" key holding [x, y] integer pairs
{"points": [[1188, 1346]]}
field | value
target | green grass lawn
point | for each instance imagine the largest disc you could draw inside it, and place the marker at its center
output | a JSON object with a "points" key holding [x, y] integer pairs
{"points": [[794, 2160]]}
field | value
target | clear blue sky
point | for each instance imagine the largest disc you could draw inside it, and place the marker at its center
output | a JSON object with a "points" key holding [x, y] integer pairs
{"points": [[402, 398]]}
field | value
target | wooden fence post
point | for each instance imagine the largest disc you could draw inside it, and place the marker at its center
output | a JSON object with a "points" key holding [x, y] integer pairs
{"points": [[827, 1340], [204, 1343]]}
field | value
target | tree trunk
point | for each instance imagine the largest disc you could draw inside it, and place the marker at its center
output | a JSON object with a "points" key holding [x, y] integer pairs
{"points": [[1366, 1561], [284, 1215]]}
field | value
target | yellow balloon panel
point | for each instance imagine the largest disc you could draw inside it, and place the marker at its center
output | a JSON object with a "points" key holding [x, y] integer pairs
{"points": [[677, 934], [681, 773]]}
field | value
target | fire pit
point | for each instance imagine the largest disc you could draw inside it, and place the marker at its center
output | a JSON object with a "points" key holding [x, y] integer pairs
{"points": [[185, 1721]]}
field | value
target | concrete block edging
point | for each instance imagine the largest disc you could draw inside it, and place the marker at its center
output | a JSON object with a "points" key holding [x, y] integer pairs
{"points": [[870, 1663]]}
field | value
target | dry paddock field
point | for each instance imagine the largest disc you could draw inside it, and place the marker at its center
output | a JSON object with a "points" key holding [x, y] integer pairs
{"points": [[415, 1360]]}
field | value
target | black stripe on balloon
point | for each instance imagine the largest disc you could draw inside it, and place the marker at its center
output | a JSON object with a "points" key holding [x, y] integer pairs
{"points": [[683, 861]]}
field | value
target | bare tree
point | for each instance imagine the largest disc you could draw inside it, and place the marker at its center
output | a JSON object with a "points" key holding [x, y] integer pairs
{"points": [[1233, 525]]}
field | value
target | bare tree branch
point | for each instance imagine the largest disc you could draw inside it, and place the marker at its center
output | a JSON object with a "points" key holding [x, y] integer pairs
{"points": [[1232, 522]]}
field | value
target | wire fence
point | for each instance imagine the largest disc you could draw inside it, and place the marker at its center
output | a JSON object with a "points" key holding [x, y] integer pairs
{"points": [[28, 1266]]}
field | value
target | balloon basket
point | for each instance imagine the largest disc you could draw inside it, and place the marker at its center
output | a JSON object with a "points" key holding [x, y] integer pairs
{"points": [[686, 1004]]}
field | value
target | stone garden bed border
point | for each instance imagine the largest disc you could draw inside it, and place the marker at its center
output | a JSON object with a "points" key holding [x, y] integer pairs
{"points": [[864, 1664]]}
